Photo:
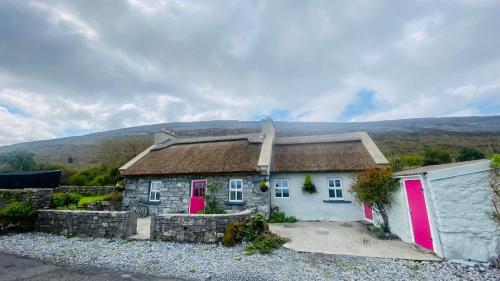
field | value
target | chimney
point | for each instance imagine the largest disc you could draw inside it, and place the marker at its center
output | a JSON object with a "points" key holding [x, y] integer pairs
{"points": [[266, 152], [164, 135]]}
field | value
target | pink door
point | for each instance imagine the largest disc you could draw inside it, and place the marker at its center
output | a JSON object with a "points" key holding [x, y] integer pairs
{"points": [[418, 213], [197, 202], [368, 212]]}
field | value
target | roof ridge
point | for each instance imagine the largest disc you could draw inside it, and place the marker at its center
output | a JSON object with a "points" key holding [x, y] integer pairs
{"points": [[251, 137]]}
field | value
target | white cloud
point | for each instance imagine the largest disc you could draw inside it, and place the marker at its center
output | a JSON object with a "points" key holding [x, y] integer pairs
{"points": [[170, 60]]}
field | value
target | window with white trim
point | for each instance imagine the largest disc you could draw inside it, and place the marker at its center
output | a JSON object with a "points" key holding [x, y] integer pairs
{"points": [[335, 188], [235, 190], [154, 191], [281, 189]]}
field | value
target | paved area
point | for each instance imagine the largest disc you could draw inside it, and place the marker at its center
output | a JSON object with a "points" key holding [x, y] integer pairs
{"points": [[351, 238], [22, 268], [143, 229]]}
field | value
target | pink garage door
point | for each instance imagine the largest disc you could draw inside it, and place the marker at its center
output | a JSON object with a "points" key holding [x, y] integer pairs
{"points": [[197, 202], [418, 213], [368, 212]]}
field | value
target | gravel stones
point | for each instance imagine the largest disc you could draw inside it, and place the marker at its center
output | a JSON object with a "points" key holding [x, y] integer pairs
{"points": [[214, 262]]}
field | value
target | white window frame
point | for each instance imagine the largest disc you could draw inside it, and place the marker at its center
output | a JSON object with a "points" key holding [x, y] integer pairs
{"points": [[235, 189], [154, 187], [281, 187], [335, 188]]}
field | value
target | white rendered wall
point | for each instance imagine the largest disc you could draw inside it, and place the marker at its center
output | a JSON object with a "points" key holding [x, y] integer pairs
{"points": [[305, 206], [462, 207]]}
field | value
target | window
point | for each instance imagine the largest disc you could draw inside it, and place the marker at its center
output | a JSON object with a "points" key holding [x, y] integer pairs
{"points": [[281, 188], [235, 190], [335, 188], [154, 191]]}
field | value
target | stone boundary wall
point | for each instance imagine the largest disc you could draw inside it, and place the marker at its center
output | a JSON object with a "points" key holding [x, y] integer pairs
{"points": [[102, 224], [39, 197], [193, 228], [86, 189]]}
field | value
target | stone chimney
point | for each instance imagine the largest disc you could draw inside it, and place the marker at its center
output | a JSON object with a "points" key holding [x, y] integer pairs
{"points": [[164, 135], [266, 152]]}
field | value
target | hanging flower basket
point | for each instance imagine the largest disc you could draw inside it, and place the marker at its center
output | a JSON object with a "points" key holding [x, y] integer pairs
{"points": [[308, 186], [263, 186]]}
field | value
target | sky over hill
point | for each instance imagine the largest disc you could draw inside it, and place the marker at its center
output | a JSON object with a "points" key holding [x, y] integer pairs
{"points": [[74, 67]]}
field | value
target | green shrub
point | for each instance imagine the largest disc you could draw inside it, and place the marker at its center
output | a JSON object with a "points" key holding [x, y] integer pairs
{"points": [[436, 157], [280, 217], [249, 249], [468, 153], [267, 244], [233, 233], [18, 211], [61, 199], [308, 186], [255, 226]]}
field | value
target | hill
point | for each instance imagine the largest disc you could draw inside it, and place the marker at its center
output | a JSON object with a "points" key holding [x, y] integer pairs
{"points": [[394, 137]]}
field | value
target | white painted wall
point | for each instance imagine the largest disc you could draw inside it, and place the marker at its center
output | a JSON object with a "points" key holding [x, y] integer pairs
{"points": [[461, 199], [459, 207], [305, 206], [399, 220]]}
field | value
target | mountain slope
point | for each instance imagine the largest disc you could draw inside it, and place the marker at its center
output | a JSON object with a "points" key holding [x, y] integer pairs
{"points": [[395, 137]]}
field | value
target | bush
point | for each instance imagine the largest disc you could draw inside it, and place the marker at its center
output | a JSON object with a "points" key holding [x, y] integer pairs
{"points": [[61, 199], [308, 186], [467, 154], [280, 217], [69, 207], [18, 211], [233, 233], [436, 157], [267, 244], [256, 226]]}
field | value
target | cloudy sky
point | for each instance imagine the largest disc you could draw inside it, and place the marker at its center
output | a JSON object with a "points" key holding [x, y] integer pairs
{"points": [[74, 67]]}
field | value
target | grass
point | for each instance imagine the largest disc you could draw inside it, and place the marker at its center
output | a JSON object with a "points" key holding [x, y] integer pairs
{"points": [[92, 198]]}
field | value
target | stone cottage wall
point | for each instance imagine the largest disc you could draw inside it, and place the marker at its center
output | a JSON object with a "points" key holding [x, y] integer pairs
{"points": [[87, 223], [39, 197], [85, 189], [193, 228], [175, 193]]}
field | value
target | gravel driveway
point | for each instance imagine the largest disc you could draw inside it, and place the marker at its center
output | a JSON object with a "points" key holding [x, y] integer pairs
{"points": [[202, 262]]}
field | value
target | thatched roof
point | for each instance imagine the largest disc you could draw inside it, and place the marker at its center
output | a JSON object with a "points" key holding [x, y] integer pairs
{"points": [[241, 153], [321, 156], [228, 155]]}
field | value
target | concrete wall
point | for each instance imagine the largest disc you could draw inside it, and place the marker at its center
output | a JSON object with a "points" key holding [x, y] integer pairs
{"points": [[175, 192], [305, 206], [193, 228], [462, 208], [87, 223]]}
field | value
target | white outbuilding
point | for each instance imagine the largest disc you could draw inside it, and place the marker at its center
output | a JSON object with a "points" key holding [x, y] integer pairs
{"points": [[448, 210]]}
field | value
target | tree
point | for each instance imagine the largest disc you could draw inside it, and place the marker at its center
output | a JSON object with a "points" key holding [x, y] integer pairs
{"points": [[468, 153], [436, 157], [18, 160], [375, 187]]}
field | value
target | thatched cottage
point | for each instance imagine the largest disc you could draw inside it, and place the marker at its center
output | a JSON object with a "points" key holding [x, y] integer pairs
{"points": [[172, 175]]}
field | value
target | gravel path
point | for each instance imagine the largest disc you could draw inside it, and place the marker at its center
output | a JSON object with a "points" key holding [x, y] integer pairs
{"points": [[202, 262]]}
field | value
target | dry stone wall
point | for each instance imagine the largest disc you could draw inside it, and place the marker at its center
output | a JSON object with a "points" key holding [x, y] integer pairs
{"points": [[193, 228], [39, 197], [86, 189], [104, 224]]}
